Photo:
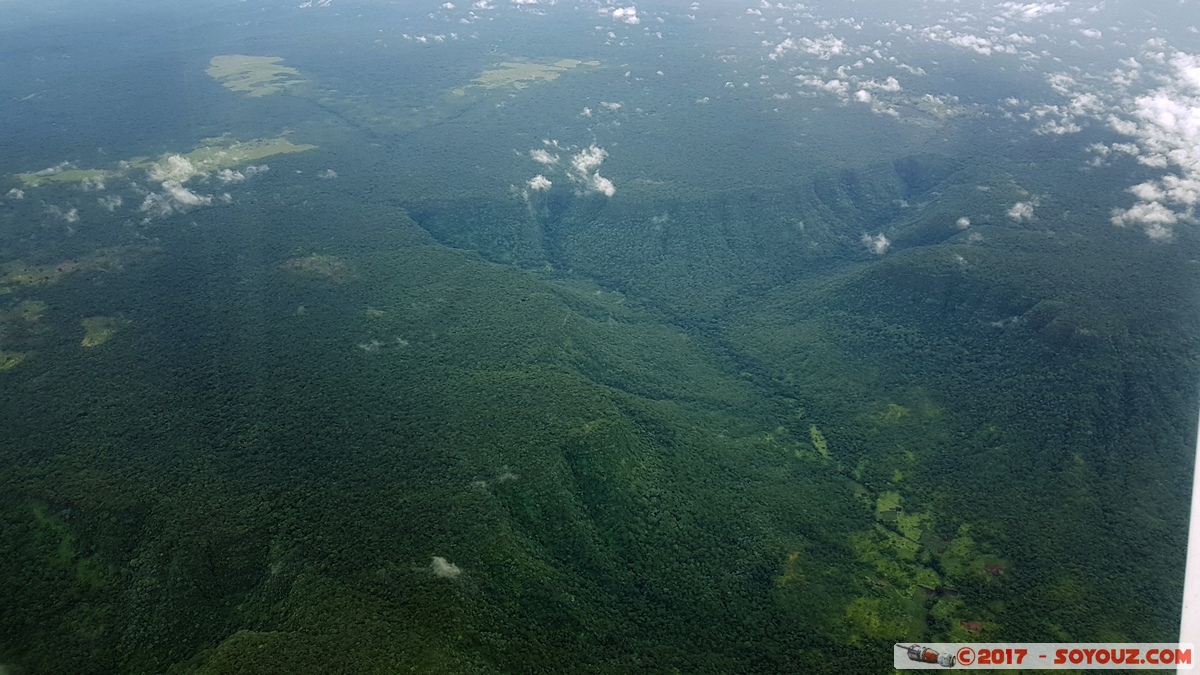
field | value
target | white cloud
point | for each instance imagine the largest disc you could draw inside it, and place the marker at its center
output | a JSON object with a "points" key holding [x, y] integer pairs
{"points": [[627, 15], [55, 170], [70, 216], [891, 84], [15, 194], [862, 96], [111, 202], [587, 160], [1028, 11], [444, 568], [823, 48], [1166, 130], [598, 183], [962, 223], [185, 196], [1156, 219], [328, 174], [1021, 211], [539, 183], [543, 157], [230, 176], [975, 43], [175, 168], [833, 86], [174, 197], [585, 169], [1148, 192], [878, 244]]}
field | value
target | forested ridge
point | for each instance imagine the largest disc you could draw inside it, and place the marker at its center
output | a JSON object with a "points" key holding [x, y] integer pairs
{"points": [[693, 431]]}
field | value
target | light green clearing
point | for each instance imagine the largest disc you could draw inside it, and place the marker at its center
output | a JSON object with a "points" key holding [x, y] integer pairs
{"points": [[213, 154], [326, 267], [818, 441], [101, 329], [519, 75], [89, 572], [28, 311], [10, 360], [223, 153], [253, 75], [45, 176], [888, 501]]}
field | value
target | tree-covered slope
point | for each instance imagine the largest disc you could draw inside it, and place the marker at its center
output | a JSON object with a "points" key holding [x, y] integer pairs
{"points": [[711, 432]]}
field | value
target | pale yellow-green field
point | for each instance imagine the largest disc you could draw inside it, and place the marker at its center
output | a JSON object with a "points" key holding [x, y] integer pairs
{"points": [[253, 75], [521, 74], [101, 329]]}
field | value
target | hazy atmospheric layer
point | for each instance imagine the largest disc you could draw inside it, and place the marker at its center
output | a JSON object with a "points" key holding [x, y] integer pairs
{"points": [[520, 334]]}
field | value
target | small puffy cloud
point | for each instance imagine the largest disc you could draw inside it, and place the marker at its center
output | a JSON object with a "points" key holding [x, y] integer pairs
{"points": [[230, 176], [185, 196], [443, 568], [1148, 192], [585, 169], [54, 170], [1021, 211], [862, 96], [15, 194], [1156, 219], [833, 86], [1092, 33], [111, 202], [174, 197], [610, 106], [588, 159], [598, 183], [975, 43], [327, 174], [157, 204], [823, 48], [891, 84], [1166, 130], [878, 244], [67, 215], [176, 168], [627, 15], [962, 223], [543, 157], [1028, 11], [587, 112], [92, 185], [539, 183]]}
